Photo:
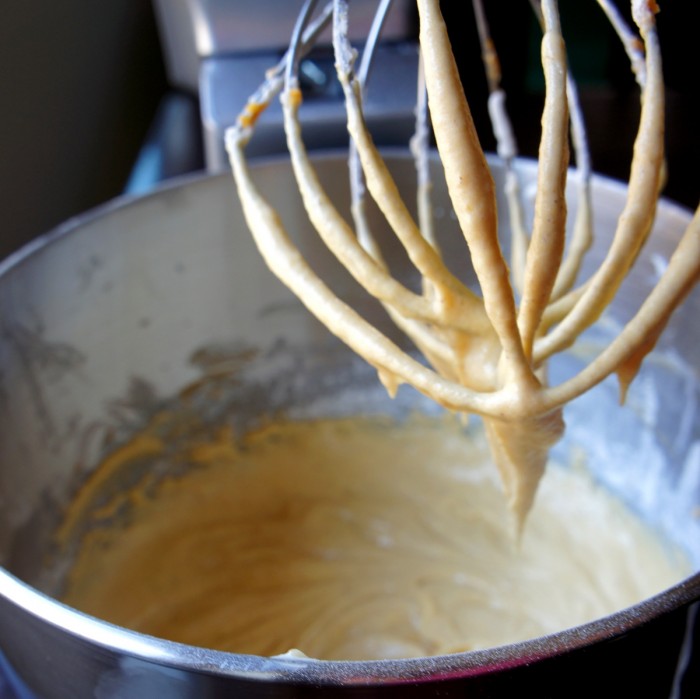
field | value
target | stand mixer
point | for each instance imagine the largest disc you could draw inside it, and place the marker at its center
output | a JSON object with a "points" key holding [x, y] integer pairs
{"points": [[219, 50]]}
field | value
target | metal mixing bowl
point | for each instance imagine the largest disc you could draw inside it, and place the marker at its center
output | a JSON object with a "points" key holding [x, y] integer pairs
{"points": [[110, 316]]}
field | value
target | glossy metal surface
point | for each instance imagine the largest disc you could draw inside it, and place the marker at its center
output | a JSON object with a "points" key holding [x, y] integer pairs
{"points": [[195, 30], [220, 51], [226, 83], [108, 317]]}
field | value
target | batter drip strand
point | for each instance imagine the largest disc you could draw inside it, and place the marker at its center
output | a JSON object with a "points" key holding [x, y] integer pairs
{"points": [[486, 353]]}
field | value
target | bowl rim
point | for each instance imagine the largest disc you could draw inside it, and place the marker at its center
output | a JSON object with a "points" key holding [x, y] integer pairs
{"points": [[302, 670]]}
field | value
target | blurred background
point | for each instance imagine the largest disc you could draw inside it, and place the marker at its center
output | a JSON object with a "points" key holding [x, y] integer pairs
{"points": [[86, 92]]}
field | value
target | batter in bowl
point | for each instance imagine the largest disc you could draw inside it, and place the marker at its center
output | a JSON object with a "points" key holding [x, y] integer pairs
{"points": [[359, 538]]}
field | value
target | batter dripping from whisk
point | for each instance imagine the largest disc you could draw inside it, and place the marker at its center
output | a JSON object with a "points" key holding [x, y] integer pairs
{"points": [[488, 353]]}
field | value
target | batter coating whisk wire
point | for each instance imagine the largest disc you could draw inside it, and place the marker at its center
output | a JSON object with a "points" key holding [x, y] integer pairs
{"points": [[486, 352]]}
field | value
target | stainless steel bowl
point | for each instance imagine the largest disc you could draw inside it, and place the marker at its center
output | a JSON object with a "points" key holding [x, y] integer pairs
{"points": [[109, 317]]}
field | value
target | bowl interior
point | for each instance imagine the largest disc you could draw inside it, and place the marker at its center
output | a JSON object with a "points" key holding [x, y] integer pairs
{"points": [[164, 303]]}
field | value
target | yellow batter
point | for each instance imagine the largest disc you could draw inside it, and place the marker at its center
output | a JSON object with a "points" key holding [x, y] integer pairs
{"points": [[356, 539]]}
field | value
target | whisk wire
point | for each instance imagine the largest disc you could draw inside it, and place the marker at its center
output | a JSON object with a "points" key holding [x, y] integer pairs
{"points": [[486, 353]]}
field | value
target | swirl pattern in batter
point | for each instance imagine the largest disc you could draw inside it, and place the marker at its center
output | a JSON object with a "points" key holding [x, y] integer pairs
{"points": [[361, 538]]}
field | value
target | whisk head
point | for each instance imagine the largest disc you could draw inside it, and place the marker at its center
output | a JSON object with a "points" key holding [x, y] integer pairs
{"points": [[484, 352]]}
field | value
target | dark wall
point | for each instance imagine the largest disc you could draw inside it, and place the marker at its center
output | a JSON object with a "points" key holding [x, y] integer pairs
{"points": [[609, 95], [80, 81]]}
